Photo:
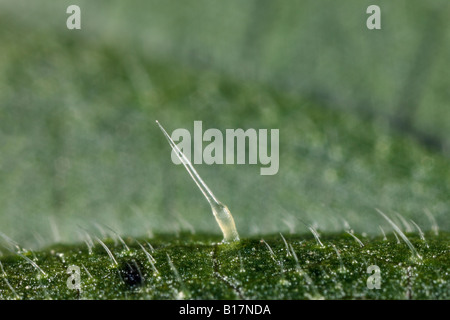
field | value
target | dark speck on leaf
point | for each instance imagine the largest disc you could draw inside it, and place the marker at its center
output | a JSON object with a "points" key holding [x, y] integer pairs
{"points": [[131, 273]]}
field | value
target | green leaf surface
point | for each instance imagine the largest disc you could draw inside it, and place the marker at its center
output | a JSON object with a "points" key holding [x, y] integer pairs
{"points": [[200, 267]]}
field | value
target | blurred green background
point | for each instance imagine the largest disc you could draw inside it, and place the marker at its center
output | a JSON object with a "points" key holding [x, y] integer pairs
{"points": [[364, 115]]}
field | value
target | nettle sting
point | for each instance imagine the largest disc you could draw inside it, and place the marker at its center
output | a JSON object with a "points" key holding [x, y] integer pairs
{"points": [[220, 211]]}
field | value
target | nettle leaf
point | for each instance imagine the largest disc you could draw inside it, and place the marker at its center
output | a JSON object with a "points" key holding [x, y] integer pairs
{"points": [[81, 157], [200, 267]]}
